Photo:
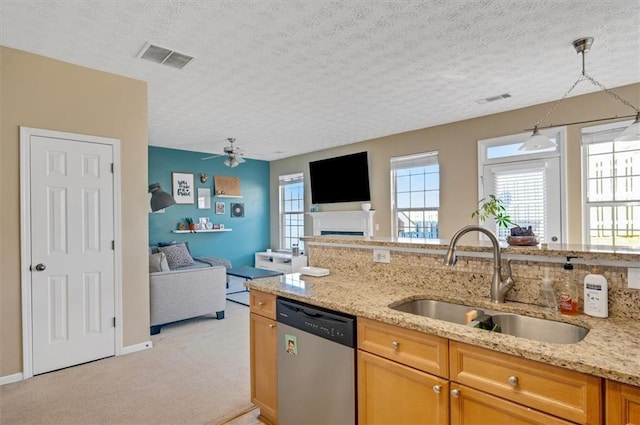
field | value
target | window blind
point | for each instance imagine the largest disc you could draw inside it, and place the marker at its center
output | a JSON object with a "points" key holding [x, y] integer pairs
{"points": [[416, 160], [523, 193]]}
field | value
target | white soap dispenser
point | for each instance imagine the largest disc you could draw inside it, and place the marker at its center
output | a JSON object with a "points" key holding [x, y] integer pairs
{"points": [[596, 297]]}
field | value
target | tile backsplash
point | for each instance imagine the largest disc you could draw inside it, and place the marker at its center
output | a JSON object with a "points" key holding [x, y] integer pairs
{"points": [[471, 275]]}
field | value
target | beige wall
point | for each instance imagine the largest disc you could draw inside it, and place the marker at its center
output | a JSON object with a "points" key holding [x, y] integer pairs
{"points": [[457, 147], [44, 93]]}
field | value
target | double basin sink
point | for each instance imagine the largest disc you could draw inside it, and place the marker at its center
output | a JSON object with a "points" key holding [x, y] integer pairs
{"points": [[507, 323]]}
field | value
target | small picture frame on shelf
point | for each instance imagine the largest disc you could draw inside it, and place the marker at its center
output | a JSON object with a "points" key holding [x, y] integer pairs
{"points": [[216, 226], [220, 207], [221, 226]]}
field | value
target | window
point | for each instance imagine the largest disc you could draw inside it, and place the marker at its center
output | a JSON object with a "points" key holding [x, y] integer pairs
{"points": [[528, 182], [291, 210], [415, 183], [612, 183]]}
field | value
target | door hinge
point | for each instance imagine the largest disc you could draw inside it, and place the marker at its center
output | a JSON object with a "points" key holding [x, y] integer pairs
{"points": [[112, 168], [114, 322], [113, 245]]}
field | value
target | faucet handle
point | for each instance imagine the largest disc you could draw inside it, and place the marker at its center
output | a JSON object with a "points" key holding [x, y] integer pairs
{"points": [[507, 266]]}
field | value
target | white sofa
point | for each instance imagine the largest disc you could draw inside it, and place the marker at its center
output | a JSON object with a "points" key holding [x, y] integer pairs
{"points": [[187, 292]]}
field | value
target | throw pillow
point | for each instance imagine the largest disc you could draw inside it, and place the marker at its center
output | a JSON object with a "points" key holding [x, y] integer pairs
{"points": [[158, 263], [177, 255], [173, 243]]}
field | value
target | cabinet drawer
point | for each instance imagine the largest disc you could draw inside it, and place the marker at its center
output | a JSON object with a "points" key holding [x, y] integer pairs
{"points": [[567, 394], [416, 349], [263, 304]]}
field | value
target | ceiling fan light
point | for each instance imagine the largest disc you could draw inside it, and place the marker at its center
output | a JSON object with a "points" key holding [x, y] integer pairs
{"points": [[537, 142], [227, 162], [234, 163], [631, 133]]}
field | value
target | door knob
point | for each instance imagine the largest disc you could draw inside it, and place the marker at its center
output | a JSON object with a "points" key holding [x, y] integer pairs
{"points": [[40, 267]]}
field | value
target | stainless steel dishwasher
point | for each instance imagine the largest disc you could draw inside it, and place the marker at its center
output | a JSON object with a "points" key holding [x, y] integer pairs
{"points": [[316, 365]]}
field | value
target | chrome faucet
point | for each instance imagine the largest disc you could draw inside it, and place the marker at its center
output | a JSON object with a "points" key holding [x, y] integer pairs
{"points": [[499, 288]]}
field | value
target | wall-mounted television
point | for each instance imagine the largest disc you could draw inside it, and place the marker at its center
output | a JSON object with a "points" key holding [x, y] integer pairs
{"points": [[340, 179]]}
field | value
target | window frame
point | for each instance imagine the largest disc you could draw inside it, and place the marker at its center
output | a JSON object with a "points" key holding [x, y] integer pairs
{"points": [[283, 181], [422, 159], [560, 135], [584, 162]]}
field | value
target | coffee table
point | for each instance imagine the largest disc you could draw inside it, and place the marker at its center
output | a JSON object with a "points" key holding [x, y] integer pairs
{"points": [[236, 291]]}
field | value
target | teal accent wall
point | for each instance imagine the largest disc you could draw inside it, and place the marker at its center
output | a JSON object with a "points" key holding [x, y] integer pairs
{"points": [[249, 234]]}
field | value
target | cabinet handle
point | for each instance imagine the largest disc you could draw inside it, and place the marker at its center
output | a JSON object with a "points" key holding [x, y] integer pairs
{"points": [[437, 389], [513, 380], [455, 393], [261, 303], [271, 325], [395, 345]]}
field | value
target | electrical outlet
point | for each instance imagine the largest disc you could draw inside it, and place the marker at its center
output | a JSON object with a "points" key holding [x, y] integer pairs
{"points": [[633, 278], [381, 256]]}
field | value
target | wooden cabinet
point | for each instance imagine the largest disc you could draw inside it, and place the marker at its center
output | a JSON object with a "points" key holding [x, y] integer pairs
{"points": [[393, 384], [473, 407], [566, 394], [409, 377], [264, 373], [622, 404]]}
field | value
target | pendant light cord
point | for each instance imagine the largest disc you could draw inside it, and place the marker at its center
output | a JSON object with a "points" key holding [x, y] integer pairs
{"points": [[585, 76]]}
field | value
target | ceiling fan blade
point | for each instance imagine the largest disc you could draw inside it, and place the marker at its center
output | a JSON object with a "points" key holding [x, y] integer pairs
{"points": [[240, 159], [210, 157]]}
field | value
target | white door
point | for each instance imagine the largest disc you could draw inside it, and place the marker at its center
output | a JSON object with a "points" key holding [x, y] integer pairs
{"points": [[72, 257], [530, 191]]}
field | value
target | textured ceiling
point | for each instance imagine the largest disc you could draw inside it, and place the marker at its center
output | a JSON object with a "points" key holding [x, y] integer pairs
{"points": [[290, 77]]}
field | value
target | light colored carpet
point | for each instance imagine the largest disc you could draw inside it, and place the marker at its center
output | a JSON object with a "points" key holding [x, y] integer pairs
{"points": [[196, 373], [239, 297]]}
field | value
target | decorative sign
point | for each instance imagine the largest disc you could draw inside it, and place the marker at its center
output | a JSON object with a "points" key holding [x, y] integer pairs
{"points": [[183, 188], [226, 185]]}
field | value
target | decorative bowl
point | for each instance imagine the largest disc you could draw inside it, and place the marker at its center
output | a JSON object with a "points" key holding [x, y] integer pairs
{"points": [[522, 240]]}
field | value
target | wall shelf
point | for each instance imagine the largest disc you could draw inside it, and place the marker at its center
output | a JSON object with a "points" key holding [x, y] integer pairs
{"points": [[201, 231], [227, 196]]}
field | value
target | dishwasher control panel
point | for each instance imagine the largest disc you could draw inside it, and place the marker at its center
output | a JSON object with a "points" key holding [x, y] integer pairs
{"points": [[334, 326]]}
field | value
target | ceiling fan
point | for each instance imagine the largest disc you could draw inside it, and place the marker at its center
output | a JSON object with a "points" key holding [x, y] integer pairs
{"points": [[233, 153]]}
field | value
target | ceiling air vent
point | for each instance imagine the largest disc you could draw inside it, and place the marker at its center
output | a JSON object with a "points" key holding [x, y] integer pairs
{"points": [[164, 56], [493, 98]]}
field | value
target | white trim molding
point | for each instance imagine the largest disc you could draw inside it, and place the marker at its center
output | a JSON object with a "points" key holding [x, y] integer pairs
{"points": [[10, 379], [343, 222]]}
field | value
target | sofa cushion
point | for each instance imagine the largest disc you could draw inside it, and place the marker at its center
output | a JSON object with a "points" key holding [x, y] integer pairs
{"points": [[177, 255], [158, 263]]}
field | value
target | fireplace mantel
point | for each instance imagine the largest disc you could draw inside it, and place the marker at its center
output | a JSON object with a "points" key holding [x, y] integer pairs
{"points": [[341, 222]]}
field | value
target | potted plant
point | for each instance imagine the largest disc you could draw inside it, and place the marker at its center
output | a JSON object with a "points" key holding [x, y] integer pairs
{"points": [[493, 206], [190, 224]]}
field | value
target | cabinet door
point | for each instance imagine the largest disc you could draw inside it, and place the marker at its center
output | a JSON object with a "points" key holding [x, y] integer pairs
{"points": [[394, 394], [472, 407], [623, 404], [264, 375]]}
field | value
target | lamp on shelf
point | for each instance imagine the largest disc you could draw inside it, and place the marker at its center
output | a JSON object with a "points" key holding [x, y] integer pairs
{"points": [[538, 141], [159, 198]]}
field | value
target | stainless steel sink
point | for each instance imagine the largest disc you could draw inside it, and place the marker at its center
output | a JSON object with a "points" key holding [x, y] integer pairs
{"points": [[507, 323], [539, 329], [441, 310]]}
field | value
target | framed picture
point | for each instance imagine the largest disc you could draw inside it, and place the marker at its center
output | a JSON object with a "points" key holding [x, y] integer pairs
{"points": [[220, 207], [204, 198], [237, 210], [182, 184]]}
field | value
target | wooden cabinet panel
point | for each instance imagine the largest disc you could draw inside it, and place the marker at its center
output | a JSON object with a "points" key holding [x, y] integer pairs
{"points": [[472, 407], [570, 395], [393, 394], [263, 304], [622, 404], [264, 374], [416, 349]]}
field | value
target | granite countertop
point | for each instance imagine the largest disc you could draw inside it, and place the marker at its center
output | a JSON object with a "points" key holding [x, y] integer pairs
{"points": [[610, 349]]}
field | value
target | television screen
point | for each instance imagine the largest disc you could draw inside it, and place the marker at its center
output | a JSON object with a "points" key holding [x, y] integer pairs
{"points": [[340, 179]]}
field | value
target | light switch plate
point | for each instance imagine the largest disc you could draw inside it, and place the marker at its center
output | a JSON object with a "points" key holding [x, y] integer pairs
{"points": [[633, 278], [381, 256]]}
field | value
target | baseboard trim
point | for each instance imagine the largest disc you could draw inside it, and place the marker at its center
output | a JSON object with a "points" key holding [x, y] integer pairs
{"points": [[10, 379], [136, 347]]}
